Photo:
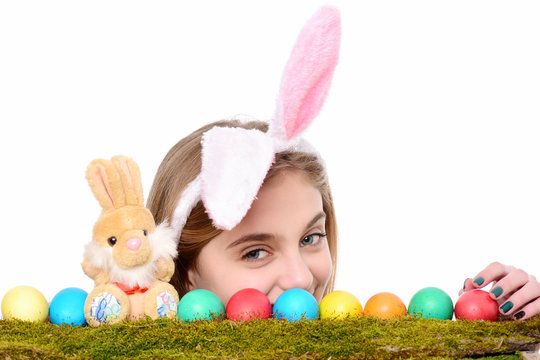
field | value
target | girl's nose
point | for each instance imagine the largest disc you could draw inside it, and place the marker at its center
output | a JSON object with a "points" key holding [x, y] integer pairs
{"points": [[295, 273]]}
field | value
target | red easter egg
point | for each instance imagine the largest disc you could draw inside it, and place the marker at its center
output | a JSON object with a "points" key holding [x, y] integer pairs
{"points": [[248, 304], [476, 305]]}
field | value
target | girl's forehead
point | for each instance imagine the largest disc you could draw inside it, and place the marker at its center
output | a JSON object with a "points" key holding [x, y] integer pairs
{"points": [[285, 179], [283, 208], [290, 188]]}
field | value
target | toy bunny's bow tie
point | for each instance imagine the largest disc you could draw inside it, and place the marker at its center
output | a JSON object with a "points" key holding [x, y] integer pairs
{"points": [[235, 161]]}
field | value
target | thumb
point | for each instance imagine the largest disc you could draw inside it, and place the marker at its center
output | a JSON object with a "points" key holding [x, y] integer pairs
{"points": [[467, 285]]}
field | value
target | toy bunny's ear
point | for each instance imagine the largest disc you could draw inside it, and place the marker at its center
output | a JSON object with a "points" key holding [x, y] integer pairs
{"points": [[105, 183], [130, 177], [308, 74]]}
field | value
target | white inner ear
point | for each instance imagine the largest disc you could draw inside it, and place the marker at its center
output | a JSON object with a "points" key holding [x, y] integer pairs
{"points": [[234, 164]]}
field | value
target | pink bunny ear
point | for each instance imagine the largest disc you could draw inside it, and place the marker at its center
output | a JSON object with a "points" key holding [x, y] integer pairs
{"points": [[235, 161], [308, 74]]}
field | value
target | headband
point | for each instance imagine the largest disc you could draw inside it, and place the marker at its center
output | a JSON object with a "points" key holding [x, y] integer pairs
{"points": [[235, 161]]}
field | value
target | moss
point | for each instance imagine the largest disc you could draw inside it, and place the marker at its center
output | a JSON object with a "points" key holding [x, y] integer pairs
{"points": [[359, 338]]}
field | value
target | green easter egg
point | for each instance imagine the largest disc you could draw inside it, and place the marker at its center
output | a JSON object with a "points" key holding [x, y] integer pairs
{"points": [[200, 304], [431, 303]]}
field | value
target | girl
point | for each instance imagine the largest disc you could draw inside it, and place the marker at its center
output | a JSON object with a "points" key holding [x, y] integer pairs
{"points": [[251, 201], [300, 252]]}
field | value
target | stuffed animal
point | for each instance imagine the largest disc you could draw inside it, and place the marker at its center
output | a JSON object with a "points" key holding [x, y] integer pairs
{"points": [[129, 258]]}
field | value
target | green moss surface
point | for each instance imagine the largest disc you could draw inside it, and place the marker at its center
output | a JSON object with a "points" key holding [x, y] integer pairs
{"points": [[361, 338]]}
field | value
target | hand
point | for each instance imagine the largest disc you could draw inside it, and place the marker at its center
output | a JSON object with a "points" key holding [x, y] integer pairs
{"points": [[99, 276], [517, 293], [164, 269]]}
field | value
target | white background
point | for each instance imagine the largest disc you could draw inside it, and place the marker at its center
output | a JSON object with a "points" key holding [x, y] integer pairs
{"points": [[430, 132]]}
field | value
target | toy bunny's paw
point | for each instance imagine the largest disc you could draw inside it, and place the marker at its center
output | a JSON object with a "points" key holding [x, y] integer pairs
{"points": [[106, 305], [161, 301]]}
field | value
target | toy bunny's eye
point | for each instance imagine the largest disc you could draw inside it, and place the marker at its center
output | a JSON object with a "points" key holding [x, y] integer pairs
{"points": [[145, 232], [112, 240]]}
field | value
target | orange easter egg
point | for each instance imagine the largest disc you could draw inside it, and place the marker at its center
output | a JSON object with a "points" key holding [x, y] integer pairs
{"points": [[385, 305]]}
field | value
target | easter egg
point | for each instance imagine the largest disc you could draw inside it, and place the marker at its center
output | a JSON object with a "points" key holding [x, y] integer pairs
{"points": [[25, 303], [67, 307], [248, 304], [200, 304], [476, 305], [295, 305], [339, 305], [385, 305], [431, 303]]}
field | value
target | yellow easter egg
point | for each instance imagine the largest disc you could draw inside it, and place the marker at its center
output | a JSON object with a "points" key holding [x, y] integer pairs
{"points": [[339, 305], [25, 303]]}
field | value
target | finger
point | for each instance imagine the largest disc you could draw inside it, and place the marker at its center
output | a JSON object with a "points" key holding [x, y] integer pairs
{"points": [[467, 285], [529, 293], [509, 284], [528, 311], [493, 272]]}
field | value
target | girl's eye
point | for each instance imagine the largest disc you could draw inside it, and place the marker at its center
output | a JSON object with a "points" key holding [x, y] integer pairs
{"points": [[256, 254], [312, 239]]}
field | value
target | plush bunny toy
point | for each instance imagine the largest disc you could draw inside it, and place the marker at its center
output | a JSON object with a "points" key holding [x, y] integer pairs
{"points": [[129, 257]]}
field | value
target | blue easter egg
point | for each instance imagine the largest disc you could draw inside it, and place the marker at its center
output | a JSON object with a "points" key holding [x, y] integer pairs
{"points": [[295, 305], [67, 307]]}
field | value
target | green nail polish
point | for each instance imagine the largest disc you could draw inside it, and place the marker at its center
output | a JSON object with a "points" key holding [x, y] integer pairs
{"points": [[507, 306], [479, 280], [497, 291]]}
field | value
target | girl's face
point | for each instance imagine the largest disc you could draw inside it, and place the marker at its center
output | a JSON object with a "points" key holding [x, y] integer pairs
{"points": [[280, 244]]}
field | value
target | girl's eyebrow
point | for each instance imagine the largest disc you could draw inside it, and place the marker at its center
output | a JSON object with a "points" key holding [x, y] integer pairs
{"points": [[266, 236], [317, 217], [251, 237]]}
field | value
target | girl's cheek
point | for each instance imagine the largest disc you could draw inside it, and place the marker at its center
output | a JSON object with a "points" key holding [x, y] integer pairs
{"points": [[322, 269], [262, 279]]}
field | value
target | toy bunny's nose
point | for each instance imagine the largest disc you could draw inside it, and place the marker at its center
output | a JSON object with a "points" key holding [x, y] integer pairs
{"points": [[134, 244]]}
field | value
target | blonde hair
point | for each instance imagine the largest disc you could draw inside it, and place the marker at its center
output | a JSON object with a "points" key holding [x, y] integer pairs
{"points": [[183, 163]]}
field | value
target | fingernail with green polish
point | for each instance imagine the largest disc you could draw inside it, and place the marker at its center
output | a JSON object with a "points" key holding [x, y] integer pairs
{"points": [[507, 306], [479, 280], [497, 291]]}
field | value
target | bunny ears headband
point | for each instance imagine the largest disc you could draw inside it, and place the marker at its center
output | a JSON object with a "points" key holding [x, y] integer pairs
{"points": [[235, 161]]}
